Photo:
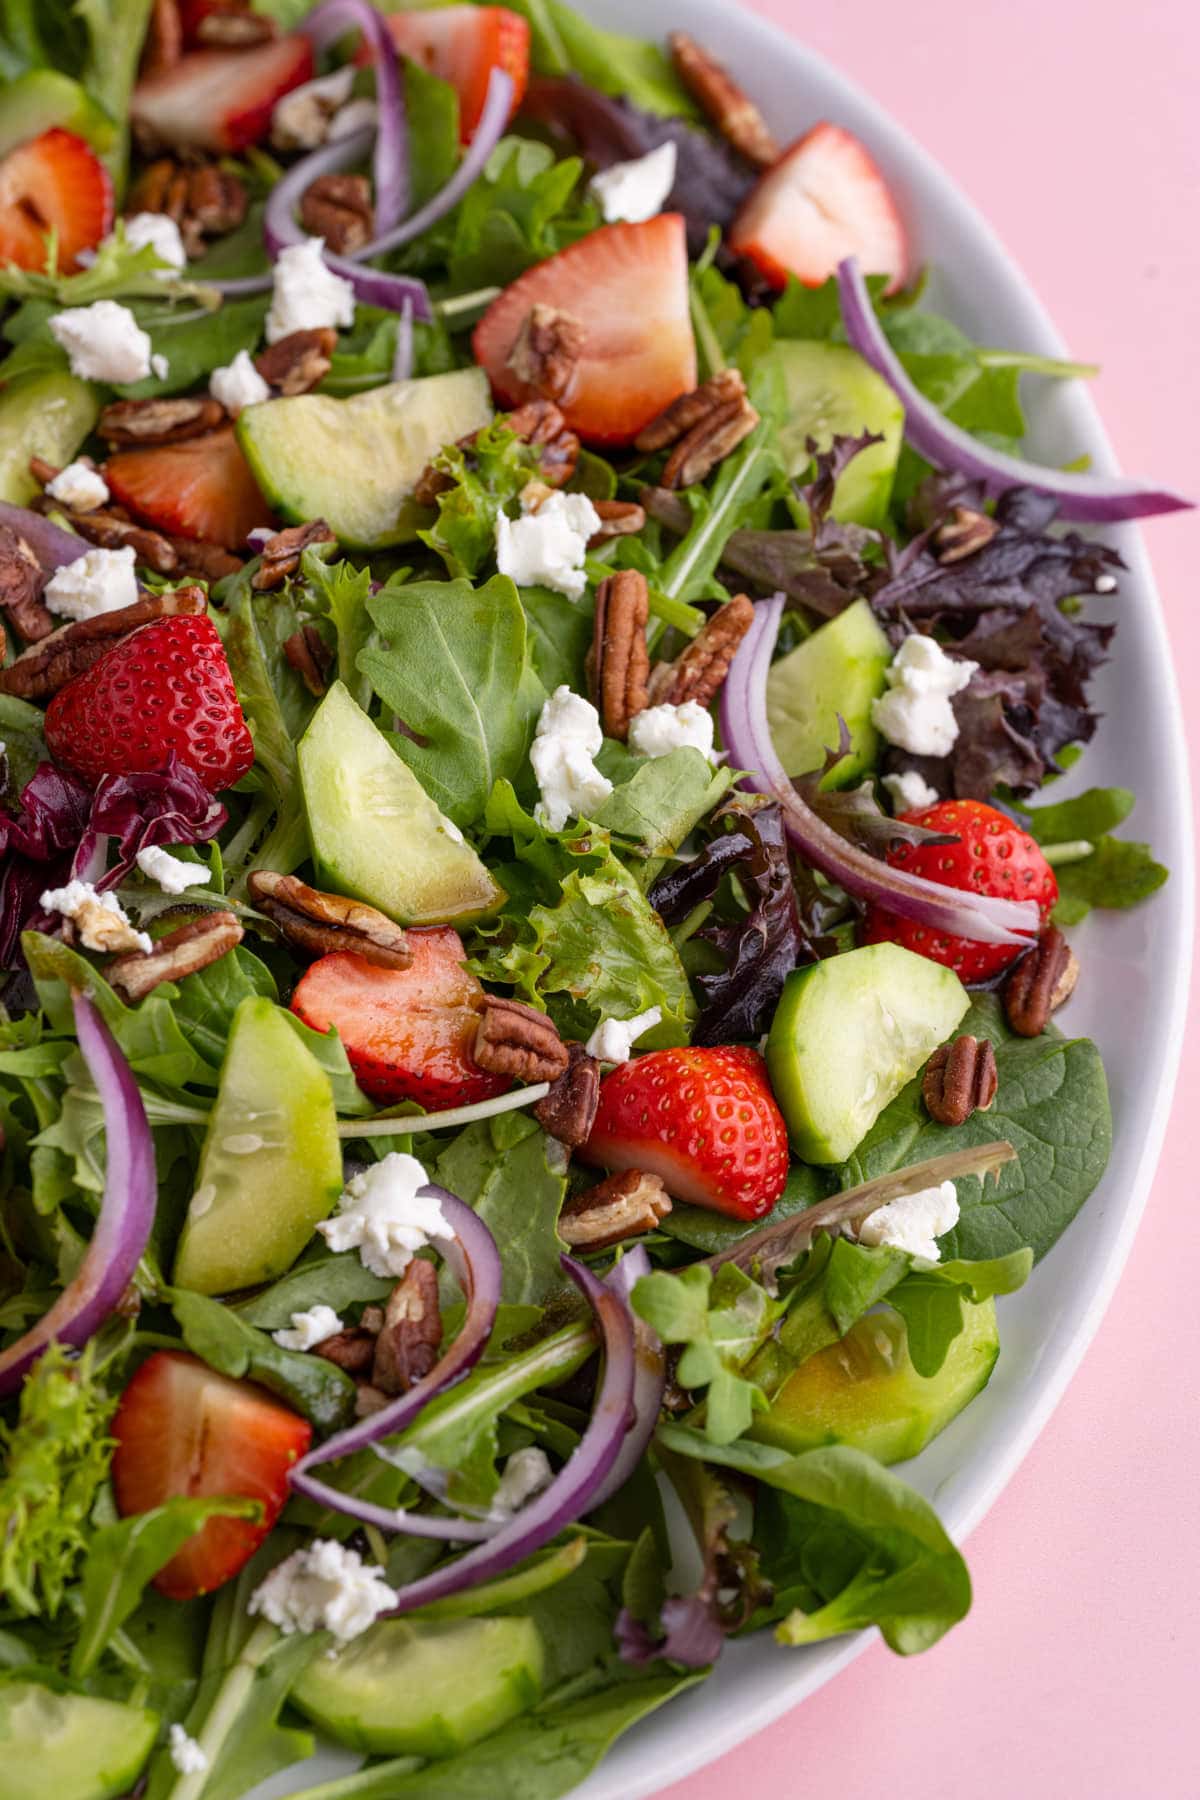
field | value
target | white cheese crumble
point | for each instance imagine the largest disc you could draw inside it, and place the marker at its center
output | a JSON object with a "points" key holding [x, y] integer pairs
{"points": [[383, 1216], [567, 738], [910, 791], [660, 729], [99, 919], [104, 342], [916, 712], [307, 294], [310, 1327], [323, 1588], [914, 1222], [238, 385], [637, 190], [161, 233], [301, 120], [1105, 584], [613, 1039], [172, 873], [80, 488], [99, 581], [186, 1754], [546, 548], [526, 1473]]}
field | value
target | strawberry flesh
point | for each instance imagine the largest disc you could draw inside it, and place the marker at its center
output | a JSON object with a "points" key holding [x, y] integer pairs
{"points": [[57, 184], [462, 45], [220, 100], [201, 488]]}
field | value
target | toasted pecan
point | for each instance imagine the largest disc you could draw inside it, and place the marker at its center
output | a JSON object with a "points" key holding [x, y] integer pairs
{"points": [[181, 952], [960, 1078], [699, 671], [546, 352], [965, 531], [338, 208], [310, 656], [111, 530], [619, 662], [1040, 983], [281, 553], [410, 1338], [163, 419], [568, 1111], [618, 518], [623, 1206], [515, 1039], [21, 582], [297, 362], [724, 103], [47, 665], [318, 923]]}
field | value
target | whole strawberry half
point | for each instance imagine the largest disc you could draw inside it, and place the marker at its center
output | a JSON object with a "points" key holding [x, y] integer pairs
{"points": [[993, 855], [704, 1120], [165, 689]]}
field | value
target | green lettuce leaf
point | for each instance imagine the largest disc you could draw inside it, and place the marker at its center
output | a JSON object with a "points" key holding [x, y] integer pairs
{"points": [[566, 43], [486, 481], [499, 1167], [657, 801]]}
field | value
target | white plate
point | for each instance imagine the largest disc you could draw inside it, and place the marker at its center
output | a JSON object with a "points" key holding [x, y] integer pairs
{"points": [[1133, 995]]}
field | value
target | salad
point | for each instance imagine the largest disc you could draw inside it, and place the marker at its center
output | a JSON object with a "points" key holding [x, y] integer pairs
{"points": [[532, 936]]}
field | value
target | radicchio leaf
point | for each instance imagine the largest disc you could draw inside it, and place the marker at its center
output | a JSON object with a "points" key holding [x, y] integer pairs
{"points": [[36, 849], [132, 812]]}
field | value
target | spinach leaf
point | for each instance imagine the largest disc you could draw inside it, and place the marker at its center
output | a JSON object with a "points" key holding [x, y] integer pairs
{"points": [[560, 636], [657, 801], [722, 1321], [499, 1167], [712, 1232], [330, 1052], [333, 1280], [226, 1342], [1090, 815], [454, 666], [195, 340], [931, 1301], [204, 1003], [431, 110], [21, 734], [1117, 874]]}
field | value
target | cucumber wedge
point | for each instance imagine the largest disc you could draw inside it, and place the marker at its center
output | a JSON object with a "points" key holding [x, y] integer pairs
{"points": [[41, 415], [69, 1746], [43, 98], [832, 392], [839, 670]]}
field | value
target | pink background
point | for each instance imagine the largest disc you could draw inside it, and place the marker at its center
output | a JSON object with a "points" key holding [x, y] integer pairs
{"points": [[1073, 125]]}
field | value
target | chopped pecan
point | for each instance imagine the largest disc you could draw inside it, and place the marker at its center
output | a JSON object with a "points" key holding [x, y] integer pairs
{"points": [[723, 102], [621, 1207], [514, 1039], [112, 531], [181, 952], [163, 45], [310, 656], [164, 420], [49, 664], [568, 1111], [352, 1350], [204, 200], [411, 1335], [212, 562], [21, 582], [618, 518], [281, 554], [960, 1078], [297, 362], [338, 208], [619, 661], [1040, 983], [964, 532], [546, 352], [698, 672], [234, 27], [320, 922]]}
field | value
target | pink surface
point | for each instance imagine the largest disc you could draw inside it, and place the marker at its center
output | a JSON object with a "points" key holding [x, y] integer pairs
{"points": [[1072, 125]]}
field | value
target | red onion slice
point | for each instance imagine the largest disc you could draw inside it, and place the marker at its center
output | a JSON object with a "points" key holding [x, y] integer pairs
{"points": [[324, 25], [649, 1381], [747, 739], [52, 546], [1095, 499], [126, 1209]]}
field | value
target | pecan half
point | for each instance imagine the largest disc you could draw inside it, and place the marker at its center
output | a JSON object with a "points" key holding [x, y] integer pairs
{"points": [[677, 419], [319, 922], [410, 1338], [188, 948], [618, 518], [310, 656], [1040, 983], [514, 1039], [621, 1207], [216, 202], [48, 665], [212, 562], [698, 672], [723, 102], [21, 582], [281, 554], [352, 1350], [112, 531], [234, 27], [960, 1078], [704, 426], [297, 362], [568, 1111], [546, 352], [619, 661], [163, 45], [165, 420], [338, 208], [964, 532]]}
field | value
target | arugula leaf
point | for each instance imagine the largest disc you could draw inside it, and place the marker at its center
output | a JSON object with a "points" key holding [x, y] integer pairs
{"points": [[195, 340], [657, 801], [722, 1321], [565, 43], [727, 329], [499, 1167], [456, 670], [688, 571], [226, 1342], [560, 636]]}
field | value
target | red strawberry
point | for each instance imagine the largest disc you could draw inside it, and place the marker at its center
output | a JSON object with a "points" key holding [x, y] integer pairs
{"points": [[201, 488], [993, 855], [628, 287], [407, 1032], [824, 199], [184, 1430], [165, 689], [54, 183], [704, 1120], [220, 99], [462, 45]]}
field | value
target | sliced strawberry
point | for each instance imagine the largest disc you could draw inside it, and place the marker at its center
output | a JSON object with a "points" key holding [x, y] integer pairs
{"points": [[54, 183], [200, 488], [184, 1431], [627, 285], [407, 1032], [825, 199], [462, 45], [165, 690], [705, 1121], [220, 99]]}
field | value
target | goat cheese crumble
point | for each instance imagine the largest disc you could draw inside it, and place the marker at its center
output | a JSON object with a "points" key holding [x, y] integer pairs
{"points": [[910, 791], [916, 712], [99, 581], [568, 736], [323, 1588], [660, 729], [546, 548], [383, 1215], [79, 487], [161, 233], [186, 1754], [613, 1039], [526, 1473], [308, 1328], [100, 920], [307, 294], [104, 342], [637, 190], [238, 385], [173, 875], [914, 1222]]}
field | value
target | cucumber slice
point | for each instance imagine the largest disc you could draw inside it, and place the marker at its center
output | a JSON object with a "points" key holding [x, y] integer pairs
{"points": [[271, 1166], [832, 392], [425, 1688], [848, 1034], [840, 669], [69, 1746], [355, 462], [864, 1390], [375, 832], [41, 415], [43, 98]]}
